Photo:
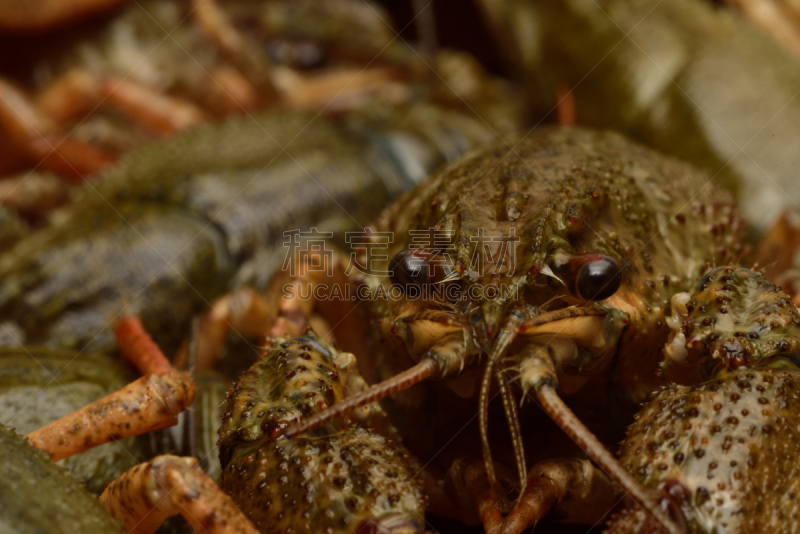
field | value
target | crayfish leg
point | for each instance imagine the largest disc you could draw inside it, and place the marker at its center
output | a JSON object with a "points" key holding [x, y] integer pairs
{"points": [[242, 310], [285, 310], [138, 347], [255, 83], [550, 482], [37, 136], [146, 495], [565, 105], [150, 403], [473, 491], [551, 347], [301, 293], [79, 92]]}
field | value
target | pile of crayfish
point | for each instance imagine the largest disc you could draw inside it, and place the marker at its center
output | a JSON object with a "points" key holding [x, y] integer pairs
{"points": [[270, 267]]}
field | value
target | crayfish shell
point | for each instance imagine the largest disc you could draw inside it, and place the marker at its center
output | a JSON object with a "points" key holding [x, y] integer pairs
{"points": [[347, 482], [724, 453], [340, 477]]}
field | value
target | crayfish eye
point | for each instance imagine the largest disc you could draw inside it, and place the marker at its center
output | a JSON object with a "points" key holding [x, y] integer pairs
{"points": [[598, 278], [588, 276], [417, 267]]}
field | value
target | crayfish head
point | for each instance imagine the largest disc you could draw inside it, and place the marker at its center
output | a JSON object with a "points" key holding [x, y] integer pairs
{"points": [[459, 317], [733, 318]]}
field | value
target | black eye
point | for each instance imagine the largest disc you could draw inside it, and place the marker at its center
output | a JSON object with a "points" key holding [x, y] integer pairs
{"points": [[598, 278], [417, 267], [588, 276]]}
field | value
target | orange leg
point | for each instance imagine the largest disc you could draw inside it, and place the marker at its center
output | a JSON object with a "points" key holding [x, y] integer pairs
{"points": [[565, 106], [340, 89], [159, 113], [151, 403], [248, 57], [144, 497], [230, 92], [37, 127], [37, 136], [244, 311], [286, 311], [139, 348], [79, 92]]}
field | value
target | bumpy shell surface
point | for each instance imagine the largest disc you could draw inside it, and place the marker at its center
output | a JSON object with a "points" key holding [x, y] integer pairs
{"points": [[725, 453], [337, 484], [734, 318], [338, 478]]}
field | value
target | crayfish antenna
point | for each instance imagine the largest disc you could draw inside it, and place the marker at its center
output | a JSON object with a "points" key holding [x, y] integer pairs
{"points": [[424, 369], [574, 428], [504, 339], [554, 338], [512, 415]]}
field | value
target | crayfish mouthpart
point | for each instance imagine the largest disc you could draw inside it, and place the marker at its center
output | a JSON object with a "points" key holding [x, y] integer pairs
{"points": [[679, 309]]}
